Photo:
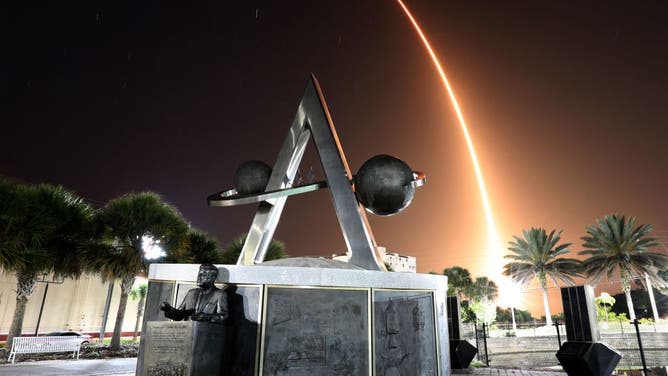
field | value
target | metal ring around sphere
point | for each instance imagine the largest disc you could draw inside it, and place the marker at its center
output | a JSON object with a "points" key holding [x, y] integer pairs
{"points": [[230, 197]]}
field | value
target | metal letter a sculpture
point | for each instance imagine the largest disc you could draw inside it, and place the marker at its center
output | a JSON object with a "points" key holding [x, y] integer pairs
{"points": [[312, 119]]}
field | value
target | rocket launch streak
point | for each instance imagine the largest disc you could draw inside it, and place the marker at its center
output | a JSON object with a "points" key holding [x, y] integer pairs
{"points": [[496, 251]]}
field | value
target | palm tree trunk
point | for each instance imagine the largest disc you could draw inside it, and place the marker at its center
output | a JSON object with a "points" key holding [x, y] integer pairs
{"points": [[140, 311], [134, 334], [546, 302], [652, 301], [626, 287], [25, 286], [126, 287], [629, 304]]}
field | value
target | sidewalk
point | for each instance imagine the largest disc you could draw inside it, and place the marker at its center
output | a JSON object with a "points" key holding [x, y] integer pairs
{"points": [[506, 372], [81, 367], [126, 367]]}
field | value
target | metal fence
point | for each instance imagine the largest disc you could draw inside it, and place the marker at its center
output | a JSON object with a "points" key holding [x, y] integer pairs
{"points": [[534, 345], [481, 343]]}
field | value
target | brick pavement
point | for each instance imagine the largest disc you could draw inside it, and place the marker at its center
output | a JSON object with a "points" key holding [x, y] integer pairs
{"points": [[506, 372]]}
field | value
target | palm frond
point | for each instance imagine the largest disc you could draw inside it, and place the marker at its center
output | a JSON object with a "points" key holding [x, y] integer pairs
{"points": [[615, 243], [125, 221], [459, 279], [275, 251], [536, 255]]}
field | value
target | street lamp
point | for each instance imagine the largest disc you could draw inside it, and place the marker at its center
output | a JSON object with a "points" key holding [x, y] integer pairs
{"points": [[44, 278]]}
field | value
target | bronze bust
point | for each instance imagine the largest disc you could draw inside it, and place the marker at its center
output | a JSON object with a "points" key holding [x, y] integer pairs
{"points": [[204, 303]]}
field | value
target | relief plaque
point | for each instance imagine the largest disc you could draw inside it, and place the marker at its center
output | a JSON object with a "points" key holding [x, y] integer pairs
{"points": [[316, 331], [404, 333]]}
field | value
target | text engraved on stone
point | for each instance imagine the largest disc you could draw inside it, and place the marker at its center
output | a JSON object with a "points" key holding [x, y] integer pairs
{"points": [[169, 348], [316, 332], [404, 333]]}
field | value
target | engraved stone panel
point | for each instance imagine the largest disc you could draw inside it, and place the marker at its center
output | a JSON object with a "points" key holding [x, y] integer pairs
{"points": [[158, 292], [316, 332], [404, 333], [244, 304], [168, 348], [183, 348], [181, 291]]}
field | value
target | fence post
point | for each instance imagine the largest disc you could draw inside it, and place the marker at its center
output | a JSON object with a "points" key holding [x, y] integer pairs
{"points": [[484, 337], [556, 324], [475, 331], [642, 351]]}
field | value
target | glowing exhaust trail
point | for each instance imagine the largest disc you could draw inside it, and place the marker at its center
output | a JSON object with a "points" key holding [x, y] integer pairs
{"points": [[497, 255]]}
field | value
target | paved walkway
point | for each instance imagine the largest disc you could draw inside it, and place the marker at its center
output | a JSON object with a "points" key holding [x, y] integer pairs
{"points": [[506, 372], [81, 367], [126, 367]]}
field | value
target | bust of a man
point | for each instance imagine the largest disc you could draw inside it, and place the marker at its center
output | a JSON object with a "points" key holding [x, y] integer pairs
{"points": [[203, 303]]}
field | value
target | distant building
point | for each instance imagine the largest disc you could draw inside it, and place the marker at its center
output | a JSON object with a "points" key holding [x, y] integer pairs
{"points": [[76, 304], [397, 262]]}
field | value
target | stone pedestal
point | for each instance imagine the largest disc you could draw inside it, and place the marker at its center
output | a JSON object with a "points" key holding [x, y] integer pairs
{"points": [[583, 354], [454, 317], [183, 348], [580, 314], [461, 352], [307, 321]]}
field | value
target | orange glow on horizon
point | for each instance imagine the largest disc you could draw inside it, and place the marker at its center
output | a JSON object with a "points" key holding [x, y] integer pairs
{"points": [[496, 251]]}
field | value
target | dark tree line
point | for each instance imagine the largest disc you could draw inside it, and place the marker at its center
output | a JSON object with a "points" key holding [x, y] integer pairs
{"points": [[46, 229]]}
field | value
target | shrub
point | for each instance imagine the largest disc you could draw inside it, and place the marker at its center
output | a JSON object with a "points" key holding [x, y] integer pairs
{"points": [[646, 321]]}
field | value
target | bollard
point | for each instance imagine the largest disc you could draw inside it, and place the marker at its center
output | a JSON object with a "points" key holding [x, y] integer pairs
{"points": [[642, 351], [484, 337], [556, 324]]}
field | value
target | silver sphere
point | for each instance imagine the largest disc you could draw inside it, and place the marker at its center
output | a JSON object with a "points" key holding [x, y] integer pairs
{"points": [[251, 177], [383, 185]]}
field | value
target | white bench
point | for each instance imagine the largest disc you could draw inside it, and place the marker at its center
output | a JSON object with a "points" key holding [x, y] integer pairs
{"points": [[45, 344]]}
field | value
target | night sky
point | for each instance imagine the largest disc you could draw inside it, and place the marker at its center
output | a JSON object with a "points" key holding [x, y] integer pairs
{"points": [[566, 103]]}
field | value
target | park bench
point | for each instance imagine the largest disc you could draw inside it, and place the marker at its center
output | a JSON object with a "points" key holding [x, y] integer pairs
{"points": [[45, 344]]}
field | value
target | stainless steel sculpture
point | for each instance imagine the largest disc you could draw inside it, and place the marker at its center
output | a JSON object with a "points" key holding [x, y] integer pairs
{"points": [[312, 119]]}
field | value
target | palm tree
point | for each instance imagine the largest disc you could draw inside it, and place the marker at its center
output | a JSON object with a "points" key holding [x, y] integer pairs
{"points": [[139, 292], [615, 244], [128, 222], [43, 230], [482, 293], [231, 254], [664, 275], [482, 288], [459, 280], [14, 199], [199, 248], [536, 255]]}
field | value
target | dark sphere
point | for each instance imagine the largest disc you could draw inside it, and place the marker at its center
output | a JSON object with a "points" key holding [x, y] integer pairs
{"points": [[251, 177], [383, 186]]}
